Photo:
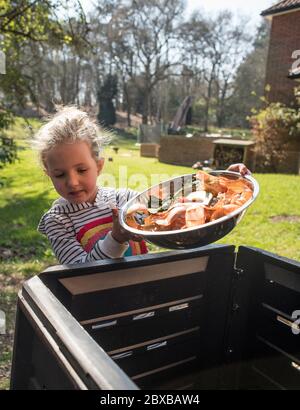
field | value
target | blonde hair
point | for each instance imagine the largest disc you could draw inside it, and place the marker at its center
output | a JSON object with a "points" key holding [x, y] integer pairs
{"points": [[69, 125]]}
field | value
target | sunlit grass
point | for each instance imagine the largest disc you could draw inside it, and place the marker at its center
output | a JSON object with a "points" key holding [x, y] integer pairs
{"points": [[27, 194]]}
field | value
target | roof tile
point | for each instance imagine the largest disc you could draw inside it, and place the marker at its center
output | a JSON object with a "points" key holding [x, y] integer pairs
{"points": [[284, 5]]}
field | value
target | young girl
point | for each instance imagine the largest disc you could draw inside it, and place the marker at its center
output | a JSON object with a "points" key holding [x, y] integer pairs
{"points": [[82, 225]]}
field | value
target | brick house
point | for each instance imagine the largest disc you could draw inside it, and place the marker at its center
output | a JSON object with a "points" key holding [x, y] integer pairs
{"points": [[284, 41]]}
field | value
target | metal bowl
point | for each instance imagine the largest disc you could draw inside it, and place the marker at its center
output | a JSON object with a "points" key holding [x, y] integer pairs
{"points": [[191, 237]]}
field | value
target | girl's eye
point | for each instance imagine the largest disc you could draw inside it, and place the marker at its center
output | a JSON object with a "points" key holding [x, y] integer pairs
{"points": [[59, 176], [81, 171]]}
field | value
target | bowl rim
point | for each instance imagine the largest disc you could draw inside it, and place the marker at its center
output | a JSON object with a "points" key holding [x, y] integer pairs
{"points": [[238, 211]]}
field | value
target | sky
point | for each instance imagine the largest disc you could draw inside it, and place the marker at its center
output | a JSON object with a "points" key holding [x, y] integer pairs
{"points": [[251, 8]]}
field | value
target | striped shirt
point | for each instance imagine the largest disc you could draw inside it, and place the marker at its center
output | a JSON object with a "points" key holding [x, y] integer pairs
{"points": [[80, 233]]}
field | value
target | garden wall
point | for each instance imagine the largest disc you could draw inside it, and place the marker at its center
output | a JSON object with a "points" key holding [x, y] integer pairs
{"points": [[179, 150], [149, 150]]}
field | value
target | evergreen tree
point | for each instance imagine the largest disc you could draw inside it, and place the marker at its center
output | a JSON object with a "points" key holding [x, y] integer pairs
{"points": [[249, 81], [106, 95]]}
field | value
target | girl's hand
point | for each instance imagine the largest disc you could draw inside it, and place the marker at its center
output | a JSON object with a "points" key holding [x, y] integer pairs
{"points": [[241, 168], [118, 233]]}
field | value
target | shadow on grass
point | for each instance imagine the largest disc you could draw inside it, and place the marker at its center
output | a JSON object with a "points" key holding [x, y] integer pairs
{"points": [[18, 230], [6, 182], [120, 132], [20, 242]]}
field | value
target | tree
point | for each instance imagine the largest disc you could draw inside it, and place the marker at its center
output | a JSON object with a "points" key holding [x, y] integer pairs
{"points": [[143, 36], [106, 95], [249, 82], [213, 47], [29, 29]]}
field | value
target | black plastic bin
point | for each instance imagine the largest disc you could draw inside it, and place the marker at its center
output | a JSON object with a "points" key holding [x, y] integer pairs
{"points": [[207, 318]]}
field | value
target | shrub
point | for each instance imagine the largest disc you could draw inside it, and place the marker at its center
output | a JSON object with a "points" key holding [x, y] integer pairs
{"points": [[6, 118], [276, 129], [8, 151], [8, 148]]}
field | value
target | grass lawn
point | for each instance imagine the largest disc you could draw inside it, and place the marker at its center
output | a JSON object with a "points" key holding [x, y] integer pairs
{"points": [[272, 223]]}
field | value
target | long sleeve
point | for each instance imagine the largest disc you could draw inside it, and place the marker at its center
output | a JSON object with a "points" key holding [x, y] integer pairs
{"points": [[80, 233], [117, 197], [68, 250]]}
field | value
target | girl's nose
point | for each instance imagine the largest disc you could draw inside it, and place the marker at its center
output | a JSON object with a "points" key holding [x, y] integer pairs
{"points": [[72, 180]]}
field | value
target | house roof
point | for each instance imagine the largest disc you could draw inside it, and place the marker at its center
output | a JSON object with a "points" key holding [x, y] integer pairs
{"points": [[285, 5]]}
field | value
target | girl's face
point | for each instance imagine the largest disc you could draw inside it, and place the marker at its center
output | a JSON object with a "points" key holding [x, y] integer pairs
{"points": [[74, 171]]}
